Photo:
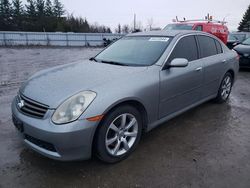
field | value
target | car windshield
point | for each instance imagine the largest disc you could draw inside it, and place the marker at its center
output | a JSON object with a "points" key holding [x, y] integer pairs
{"points": [[239, 37], [246, 42], [232, 37], [134, 51], [179, 27]]}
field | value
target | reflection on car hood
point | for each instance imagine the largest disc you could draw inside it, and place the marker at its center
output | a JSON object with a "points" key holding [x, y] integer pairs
{"points": [[242, 48], [53, 86]]}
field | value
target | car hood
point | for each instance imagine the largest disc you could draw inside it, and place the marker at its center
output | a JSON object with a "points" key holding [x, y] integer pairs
{"points": [[53, 86], [242, 48]]}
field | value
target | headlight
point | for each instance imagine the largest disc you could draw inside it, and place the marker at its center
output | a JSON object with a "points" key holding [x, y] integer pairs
{"points": [[71, 109]]}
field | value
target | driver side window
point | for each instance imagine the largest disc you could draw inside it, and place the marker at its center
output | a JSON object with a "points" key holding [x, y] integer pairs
{"points": [[185, 48]]}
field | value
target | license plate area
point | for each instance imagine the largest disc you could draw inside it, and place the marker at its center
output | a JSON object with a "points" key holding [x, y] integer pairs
{"points": [[18, 124]]}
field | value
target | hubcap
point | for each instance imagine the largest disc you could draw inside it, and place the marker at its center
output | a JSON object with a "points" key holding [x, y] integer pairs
{"points": [[121, 134], [226, 87]]}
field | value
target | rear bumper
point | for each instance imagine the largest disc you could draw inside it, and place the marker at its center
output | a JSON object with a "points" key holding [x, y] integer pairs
{"points": [[72, 141]]}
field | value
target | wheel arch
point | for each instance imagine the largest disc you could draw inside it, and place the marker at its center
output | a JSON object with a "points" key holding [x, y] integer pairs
{"points": [[232, 73], [134, 102]]}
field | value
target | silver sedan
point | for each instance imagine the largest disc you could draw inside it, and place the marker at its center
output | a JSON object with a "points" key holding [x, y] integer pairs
{"points": [[103, 105]]}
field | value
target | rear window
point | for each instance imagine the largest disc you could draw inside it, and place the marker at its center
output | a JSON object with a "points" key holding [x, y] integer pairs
{"points": [[218, 46], [179, 27], [207, 46]]}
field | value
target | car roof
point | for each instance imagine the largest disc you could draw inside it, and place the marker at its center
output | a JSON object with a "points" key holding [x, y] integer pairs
{"points": [[167, 33], [198, 22]]}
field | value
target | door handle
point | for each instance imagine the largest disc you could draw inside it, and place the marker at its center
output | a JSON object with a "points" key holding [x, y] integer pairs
{"points": [[224, 61], [198, 69]]}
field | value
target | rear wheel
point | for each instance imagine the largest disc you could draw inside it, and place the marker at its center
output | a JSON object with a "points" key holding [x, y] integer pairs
{"points": [[119, 134], [225, 88]]}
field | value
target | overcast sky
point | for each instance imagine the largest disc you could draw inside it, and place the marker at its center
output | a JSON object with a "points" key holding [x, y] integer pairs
{"points": [[112, 12]]}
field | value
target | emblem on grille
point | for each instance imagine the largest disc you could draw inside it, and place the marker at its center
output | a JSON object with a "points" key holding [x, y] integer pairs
{"points": [[20, 103]]}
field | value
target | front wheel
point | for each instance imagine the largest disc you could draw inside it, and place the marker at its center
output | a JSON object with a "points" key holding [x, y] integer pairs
{"points": [[119, 134], [225, 88]]}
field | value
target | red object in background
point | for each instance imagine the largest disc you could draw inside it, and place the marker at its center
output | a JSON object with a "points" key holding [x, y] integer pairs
{"points": [[217, 28]]}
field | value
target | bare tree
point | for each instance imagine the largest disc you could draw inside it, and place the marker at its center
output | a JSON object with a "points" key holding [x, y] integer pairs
{"points": [[118, 29], [125, 28]]}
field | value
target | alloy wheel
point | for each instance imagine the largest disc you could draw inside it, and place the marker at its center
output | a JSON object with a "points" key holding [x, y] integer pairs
{"points": [[121, 134], [226, 87]]}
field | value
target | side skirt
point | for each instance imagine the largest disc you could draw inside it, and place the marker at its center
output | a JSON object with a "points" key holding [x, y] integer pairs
{"points": [[171, 116]]}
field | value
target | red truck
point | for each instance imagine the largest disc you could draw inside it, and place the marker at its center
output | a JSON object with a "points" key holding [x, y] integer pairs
{"points": [[217, 28]]}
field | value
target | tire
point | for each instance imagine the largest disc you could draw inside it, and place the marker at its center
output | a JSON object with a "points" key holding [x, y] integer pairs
{"points": [[118, 134], [225, 88]]}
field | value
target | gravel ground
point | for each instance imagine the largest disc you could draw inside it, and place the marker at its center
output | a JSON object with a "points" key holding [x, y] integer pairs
{"points": [[208, 146]]}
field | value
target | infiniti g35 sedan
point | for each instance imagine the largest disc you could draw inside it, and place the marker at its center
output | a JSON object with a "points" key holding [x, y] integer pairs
{"points": [[102, 106]]}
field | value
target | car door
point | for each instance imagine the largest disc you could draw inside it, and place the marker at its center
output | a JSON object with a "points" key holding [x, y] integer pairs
{"points": [[214, 61], [180, 87]]}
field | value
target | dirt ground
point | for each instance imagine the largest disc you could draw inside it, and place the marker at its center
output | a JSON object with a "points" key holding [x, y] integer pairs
{"points": [[208, 146]]}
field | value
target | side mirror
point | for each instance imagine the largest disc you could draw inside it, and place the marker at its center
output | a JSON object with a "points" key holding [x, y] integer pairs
{"points": [[178, 62]]}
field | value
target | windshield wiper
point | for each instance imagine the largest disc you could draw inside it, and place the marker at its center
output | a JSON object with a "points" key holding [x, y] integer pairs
{"points": [[114, 63], [93, 59]]}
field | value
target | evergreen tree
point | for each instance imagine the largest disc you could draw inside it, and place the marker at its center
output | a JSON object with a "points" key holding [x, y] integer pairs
{"points": [[40, 7], [48, 8], [86, 25], [245, 22], [31, 9], [18, 15], [50, 20], [31, 16], [17, 8], [5, 8], [58, 9], [5, 15]]}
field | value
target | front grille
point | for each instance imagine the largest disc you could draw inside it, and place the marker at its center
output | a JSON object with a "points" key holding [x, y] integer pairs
{"points": [[40, 143], [30, 107]]}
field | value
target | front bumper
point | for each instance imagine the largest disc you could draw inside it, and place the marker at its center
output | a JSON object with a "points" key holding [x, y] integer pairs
{"points": [[72, 141]]}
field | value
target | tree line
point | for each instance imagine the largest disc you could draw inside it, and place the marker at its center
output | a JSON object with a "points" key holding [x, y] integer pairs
{"points": [[43, 16], [50, 16]]}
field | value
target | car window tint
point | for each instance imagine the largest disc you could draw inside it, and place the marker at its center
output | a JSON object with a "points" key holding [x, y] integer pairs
{"points": [[207, 46], [185, 48], [218, 46]]}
